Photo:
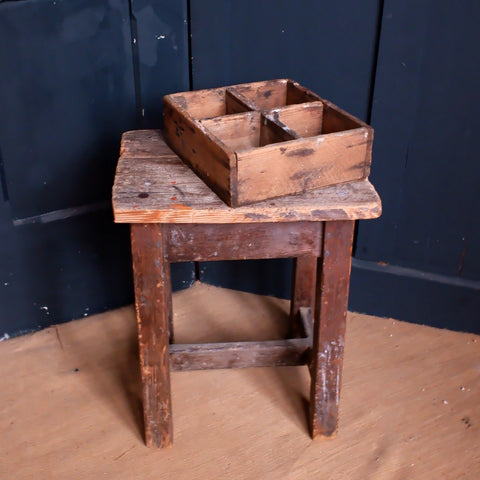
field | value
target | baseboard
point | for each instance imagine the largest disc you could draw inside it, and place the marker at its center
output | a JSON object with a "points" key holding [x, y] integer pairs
{"points": [[376, 289], [415, 296]]}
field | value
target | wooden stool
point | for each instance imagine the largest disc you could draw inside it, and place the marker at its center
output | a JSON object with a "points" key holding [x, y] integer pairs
{"points": [[175, 217]]}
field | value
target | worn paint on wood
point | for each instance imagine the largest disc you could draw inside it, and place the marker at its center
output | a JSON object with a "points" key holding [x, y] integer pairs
{"points": [[322, 270], [331, 304], [207, 242], [303, 287], [270, 353], [153, 307], [153, 185], [279, 145], [267, 353]]}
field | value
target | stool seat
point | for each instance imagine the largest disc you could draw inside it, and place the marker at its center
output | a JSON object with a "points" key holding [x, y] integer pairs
{"points": [[152, 185], [175, 217]]}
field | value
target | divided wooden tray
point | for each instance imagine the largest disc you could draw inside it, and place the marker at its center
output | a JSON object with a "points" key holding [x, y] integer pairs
{"points": [[262, 140]]}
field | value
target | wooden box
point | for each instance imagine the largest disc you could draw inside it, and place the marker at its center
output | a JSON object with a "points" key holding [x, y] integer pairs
{"points": [[261, 140]]}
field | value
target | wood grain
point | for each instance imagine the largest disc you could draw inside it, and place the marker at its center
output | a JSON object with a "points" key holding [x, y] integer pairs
{"points": [[230, 153], [263, 95], [331, 304], [245, 131], [153, 185], [236, 132], [192, 142], [153, 308], [201, 104], [207, 242], [304, 120], [269, 94], [296, 93], [319, 161], [303, 287], [306, 317], [269, 353]]}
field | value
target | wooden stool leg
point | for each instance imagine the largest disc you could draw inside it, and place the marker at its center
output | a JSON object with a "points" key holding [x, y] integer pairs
{"points": [[153, 306], [168, 301], [331, 302], [303, 290]]}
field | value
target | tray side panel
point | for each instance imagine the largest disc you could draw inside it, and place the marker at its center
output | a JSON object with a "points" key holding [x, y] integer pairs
{"points": [[201, 103], [205, 157], [262, 95], [301, 165], [336, 119], [237, 132]]}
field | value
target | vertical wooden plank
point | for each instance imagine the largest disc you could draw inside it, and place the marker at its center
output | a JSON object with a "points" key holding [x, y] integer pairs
{"points": [[303, 289], [168, 300], [153, 307], [62, 78], [160, 30], [331, 302], [284, 32]]}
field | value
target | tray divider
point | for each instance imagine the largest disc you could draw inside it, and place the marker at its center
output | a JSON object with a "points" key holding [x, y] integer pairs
{"points": [[236, 103], [275, 132], [300, 120]]}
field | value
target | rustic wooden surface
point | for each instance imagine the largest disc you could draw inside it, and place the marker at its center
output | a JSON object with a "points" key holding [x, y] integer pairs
{"points": [[268, 94], [335, 120], [330, 321], [267, 353], [192, 141], [70, 401], [154, 246], [303, 120], [316, 162], [322, 289], [271, 151], [153, 185], [154, 314], [205, 242], [245, 131], [304, 279], [209, 103]]}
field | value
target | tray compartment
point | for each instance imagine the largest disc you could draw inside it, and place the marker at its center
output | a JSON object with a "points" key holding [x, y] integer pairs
{"points": [[209, 103], [246, 131], [301, 120], [273, 94], [262, 140], [191, 141]]}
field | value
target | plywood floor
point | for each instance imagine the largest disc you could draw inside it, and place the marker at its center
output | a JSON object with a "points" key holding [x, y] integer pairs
{"points": [[70, 405]]}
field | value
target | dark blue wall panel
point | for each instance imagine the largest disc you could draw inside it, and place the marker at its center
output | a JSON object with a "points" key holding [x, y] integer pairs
{"points": [[426, 169], [75, 75], [425, 115], [66, 94], [326, 46], [329, 47], [424, 83], [161, 50], [59, 271]]}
